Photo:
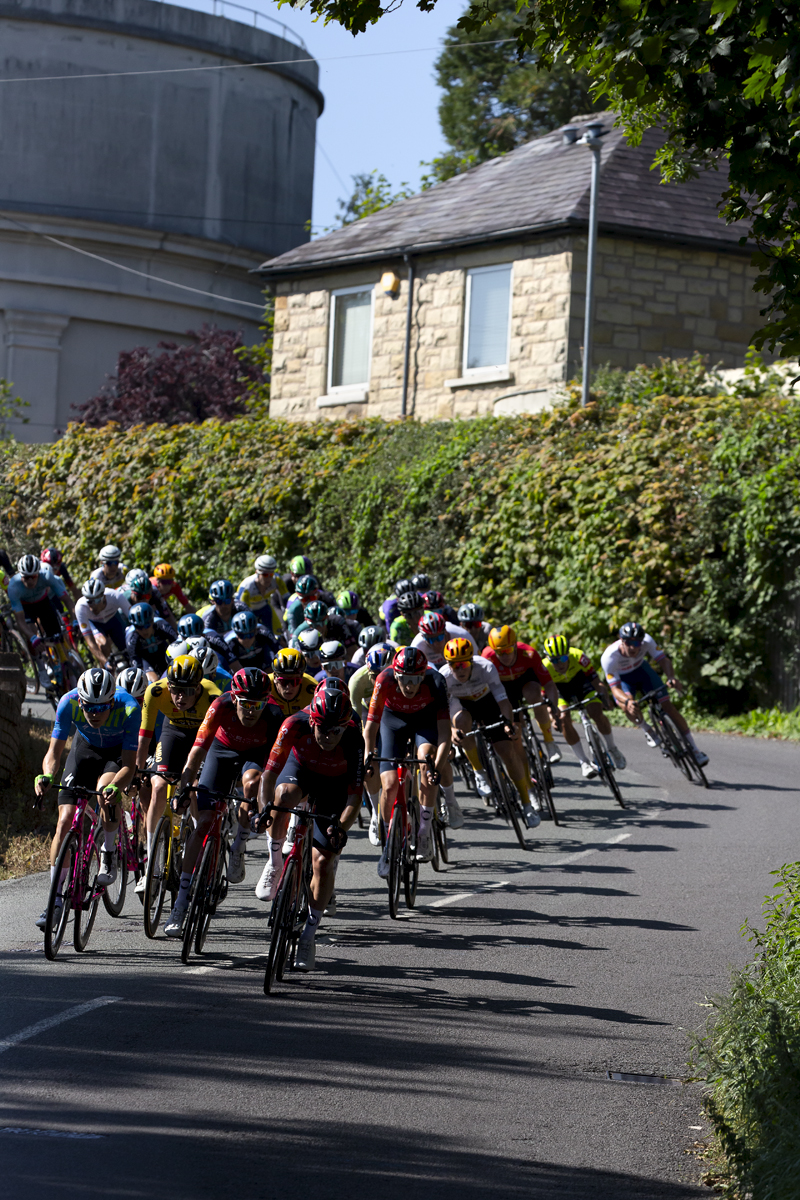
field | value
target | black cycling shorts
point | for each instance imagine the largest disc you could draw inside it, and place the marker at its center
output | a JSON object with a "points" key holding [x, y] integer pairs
{"points": [[222, 768], [44, 612], [328, 794], [486, 711], [400, 732], [578, 688], [173, 749], [84, 766], [514, 687]]}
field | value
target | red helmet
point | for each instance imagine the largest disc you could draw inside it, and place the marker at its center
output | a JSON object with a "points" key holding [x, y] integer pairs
{"points": [[410, 660], [433, 599], [432, 625], [250, 683], [52, 557], [331, 704]]}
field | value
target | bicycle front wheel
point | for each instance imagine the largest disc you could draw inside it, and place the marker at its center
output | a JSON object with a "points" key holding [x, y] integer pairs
{"points": [[114, 894], [410, 861], [58, 917], [605, 767], [282, 927], [510, 805], [157, 875], [86, 913], [197, 902], [394, 842]]}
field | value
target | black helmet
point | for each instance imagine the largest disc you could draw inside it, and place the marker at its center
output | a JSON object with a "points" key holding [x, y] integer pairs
{"points": [[409, 601], [631, 631], [421, 582], [402, 586]]}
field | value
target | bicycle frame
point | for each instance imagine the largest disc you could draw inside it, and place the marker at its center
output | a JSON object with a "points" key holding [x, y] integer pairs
{"points": [[598, 747], [208, 872], [540, 771], [507, 801], [674, 744], [403, 862], [74, 896]]}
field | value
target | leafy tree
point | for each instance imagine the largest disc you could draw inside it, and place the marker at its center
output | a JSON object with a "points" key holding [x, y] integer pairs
{"points": [[722, 77], [370, 194], [211, 377]]}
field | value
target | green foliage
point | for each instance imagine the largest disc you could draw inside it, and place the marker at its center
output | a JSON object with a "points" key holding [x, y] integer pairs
{"points": [[750, 1055], [680, 510], [257, 363], [11, 409], [772, 722], [370, 194]]}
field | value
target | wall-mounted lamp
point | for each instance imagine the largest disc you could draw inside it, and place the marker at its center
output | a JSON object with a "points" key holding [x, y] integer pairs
{"points": [[390, 284]]}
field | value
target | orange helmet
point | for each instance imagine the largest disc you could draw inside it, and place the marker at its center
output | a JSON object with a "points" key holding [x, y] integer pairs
{"points": [[459, 650], [503, 639], [164, 571]]}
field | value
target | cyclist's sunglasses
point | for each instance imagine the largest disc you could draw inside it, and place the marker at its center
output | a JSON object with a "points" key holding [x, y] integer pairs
{"points": [[471, 624], [408, 678], [251, 705], [635, 642], [94, 710], [288, 678], [461, 662], [561, 658], [180, 688], [437, 637], [34, 576], [111, 562], [337, 663]]}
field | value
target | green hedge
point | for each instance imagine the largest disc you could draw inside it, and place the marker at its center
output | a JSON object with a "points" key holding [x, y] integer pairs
{"points": [[680, 511]]}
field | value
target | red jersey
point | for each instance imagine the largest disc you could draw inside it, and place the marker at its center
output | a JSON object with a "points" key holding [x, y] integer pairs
{"points": [[296, 737], [222, 722], [175, 590], [386, 694], [528, 659]]}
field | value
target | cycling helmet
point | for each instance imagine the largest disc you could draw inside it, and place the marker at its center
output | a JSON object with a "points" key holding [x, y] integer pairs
{"points": [[137, 580], [176, 649], [556, 646], [332, 651], [244, 623], [632, 631], [265, 564], [164, 571], [306, 584], [110, 553], [96, 686], [185, 671], [221, 591], [471, 613], [309, 641], [348, 601], [331, 705], [402, 586], [300, 565], [133, 681], [142, 615], [370, 635], [410, 660], [52, 557], [190, 625], [200, 649], [93, 589], [432, 625], [315, 612], [288, 662], [336, 611], [421, 582], [503, 639], [251, 683], [379, 657], [433, 600], [29, 565], [459, 650], [409, 601]]}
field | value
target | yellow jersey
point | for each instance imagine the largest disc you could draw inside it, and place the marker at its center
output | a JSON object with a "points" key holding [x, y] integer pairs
{"points": [[157, 699], [303, 698]]}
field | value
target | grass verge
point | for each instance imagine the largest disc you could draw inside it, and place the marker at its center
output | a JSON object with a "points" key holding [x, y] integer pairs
{"points": [[25, 832]]}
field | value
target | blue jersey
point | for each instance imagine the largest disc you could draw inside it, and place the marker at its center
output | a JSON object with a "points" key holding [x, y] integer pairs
{"points": [[48, 586], [122, 726], [223, 679]]}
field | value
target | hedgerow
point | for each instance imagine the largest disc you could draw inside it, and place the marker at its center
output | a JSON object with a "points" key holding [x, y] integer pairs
{"points": [[680, 510]]}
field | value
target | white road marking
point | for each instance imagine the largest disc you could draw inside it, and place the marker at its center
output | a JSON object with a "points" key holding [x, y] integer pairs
{"points": [[452, 899], [69, 1013]]}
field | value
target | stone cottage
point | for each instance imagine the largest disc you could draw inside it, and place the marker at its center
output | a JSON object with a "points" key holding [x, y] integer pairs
{"points": [[496, 262]]}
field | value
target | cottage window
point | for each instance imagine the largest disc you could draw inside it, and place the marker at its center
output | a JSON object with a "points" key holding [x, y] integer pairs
{"points": [[486, 318], [350, 338]]}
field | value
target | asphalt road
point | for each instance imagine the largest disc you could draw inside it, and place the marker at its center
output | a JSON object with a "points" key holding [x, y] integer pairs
{"points": [[459, 1051]]}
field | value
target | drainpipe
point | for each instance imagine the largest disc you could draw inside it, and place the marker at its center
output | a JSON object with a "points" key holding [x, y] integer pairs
{"points": [[407, 349], [591, 138]]}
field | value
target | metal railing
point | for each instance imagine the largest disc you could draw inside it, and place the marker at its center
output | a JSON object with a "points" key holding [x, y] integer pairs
{"points": [[259, 20]]}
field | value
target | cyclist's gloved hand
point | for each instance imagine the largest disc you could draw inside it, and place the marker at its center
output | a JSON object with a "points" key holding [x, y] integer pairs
{"points": [[112, 792], [180, 801], [337, 836], [42, 783], [35, 644]]}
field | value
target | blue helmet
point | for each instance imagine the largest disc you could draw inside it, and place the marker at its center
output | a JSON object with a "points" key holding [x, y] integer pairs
{"points": [[380, 656], [190, 625], [221, 591], [142, 615], [244, 623]]}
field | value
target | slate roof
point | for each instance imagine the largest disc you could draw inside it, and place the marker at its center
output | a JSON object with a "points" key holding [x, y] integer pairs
{"points": [[543, 187]]}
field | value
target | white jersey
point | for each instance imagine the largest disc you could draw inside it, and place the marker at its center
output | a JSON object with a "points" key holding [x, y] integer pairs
{"points": [[360, 656], [484, 680], [434, 652], [615, 664], [114, 601], [117, 581]]}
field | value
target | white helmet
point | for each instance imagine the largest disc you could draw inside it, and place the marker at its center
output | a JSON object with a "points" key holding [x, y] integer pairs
{"points": [[207, 657], [110, 553], [133, 681], [93, 589], [29, 565], [96, 686], [265, 562], [176, 649]]}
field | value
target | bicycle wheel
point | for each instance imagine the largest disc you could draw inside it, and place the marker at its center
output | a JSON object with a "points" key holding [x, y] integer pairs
{"points": [[509, 805], [539, 775], [282, 920], [697, 770], [85, 915], [197, 899], [435, 823], [214, 896], [394, 842], [681, 749], [157, 876], [602, 761], [410, 861], [114, 894], [440, 834], [58, 918]]}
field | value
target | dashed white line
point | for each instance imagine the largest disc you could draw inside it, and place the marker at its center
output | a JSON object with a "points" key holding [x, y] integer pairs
{"points": [[67, 1015]]}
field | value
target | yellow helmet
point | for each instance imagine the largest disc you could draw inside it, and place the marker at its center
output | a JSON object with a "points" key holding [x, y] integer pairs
{"points": [[556, 646], [288, 662], [459, 650], [185, 671], [503, 639], [164, 571]]}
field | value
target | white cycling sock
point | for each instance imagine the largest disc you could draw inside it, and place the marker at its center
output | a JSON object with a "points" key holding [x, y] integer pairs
{"points": [[375, 802], [314, 919], [579, 752], [425, 816], [242, 835], [276, 852], [52, 874], [610, 739], [449, 793], [183, 893], [690, 739], [109, 840], [149, 843]]}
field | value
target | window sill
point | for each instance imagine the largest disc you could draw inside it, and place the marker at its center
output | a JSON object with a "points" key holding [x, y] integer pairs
{"points": [[483, 375], [345, 396]]}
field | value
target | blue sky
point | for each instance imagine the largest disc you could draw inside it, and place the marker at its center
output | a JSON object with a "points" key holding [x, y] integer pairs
{"points": [[380, 98]]}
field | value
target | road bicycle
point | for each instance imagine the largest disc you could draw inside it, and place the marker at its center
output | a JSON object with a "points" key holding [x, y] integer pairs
{"points": [[402, 836], [165, 861], [505, 797], [463, 767], [12, 642], [209, 885], [60, 667], [673, 744], [597, 747], [129, 854], [541, 773], [441, 850], [78, 865], [289, 911]]}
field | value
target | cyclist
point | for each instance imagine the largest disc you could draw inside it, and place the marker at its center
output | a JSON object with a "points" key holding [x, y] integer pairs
{"points": [[309, 643], [134, 682], [421, 582], [432, 633], [164, 582], [111, 569], [334, 664], [318, 759], [291, 688], [223, 605], [193, 625], [249, 643], [574, 675], [409, 706], [330, 624], [33, 593], [410, 608], [470, 617], [182, 699], [234, 738], [102, 757], [101, 614], [306, 591], [390, 609], [259, 593], [476, 694], [350, 604], [370, 635], [206, 655], [628, 672], [435, 602], [139, 590], [146, 641], [54, 559], [524, 677], [361, 686]]}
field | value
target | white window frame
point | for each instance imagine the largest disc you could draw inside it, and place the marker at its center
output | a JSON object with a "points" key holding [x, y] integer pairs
{"points": [[349, 393], [499, 372]]}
